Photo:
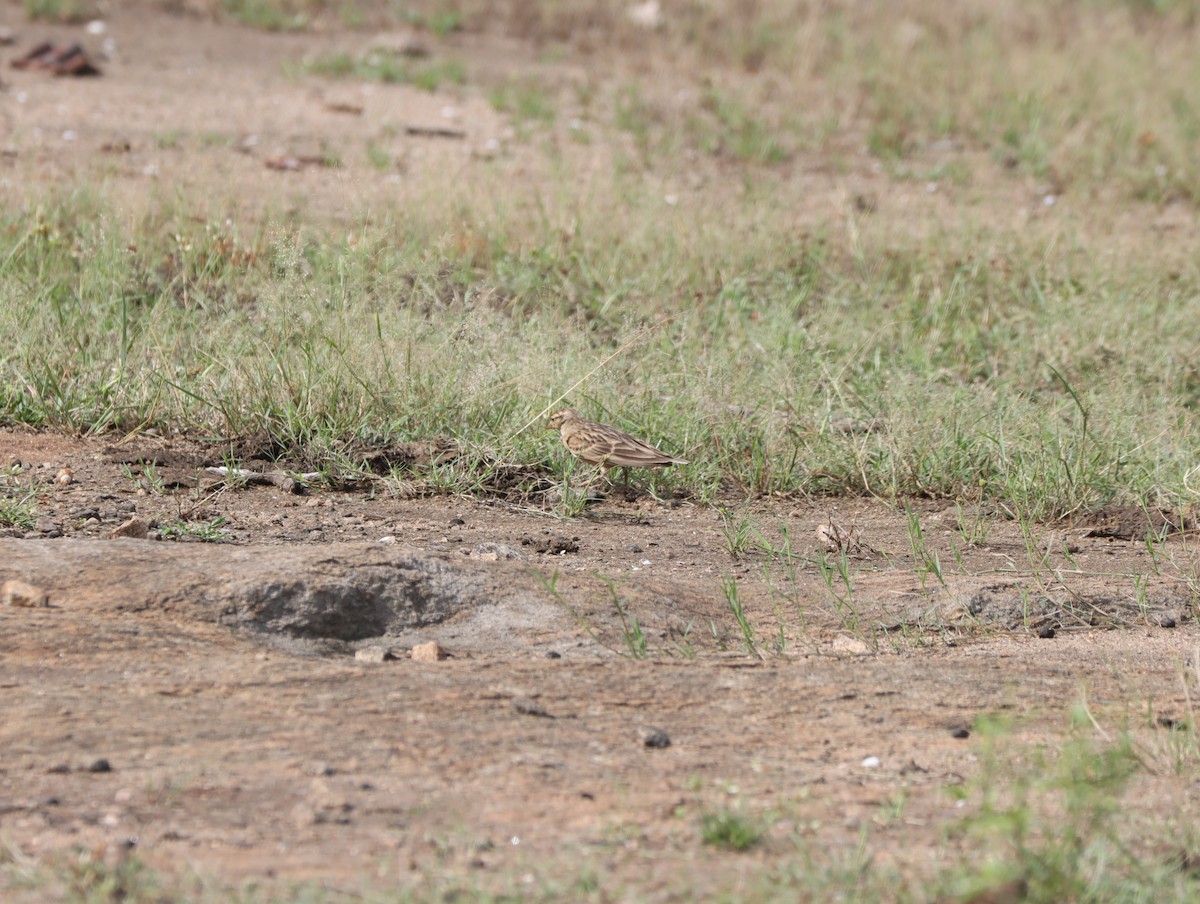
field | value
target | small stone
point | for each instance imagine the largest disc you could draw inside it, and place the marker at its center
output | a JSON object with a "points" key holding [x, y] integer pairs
{"points": [[853, 645], [389, 539], [64, 476], [1046, 633], [529, 707], [47, 525], [960, 733], [59, 769], [634, 548], [100, 765], [872, 762], [23, 594], [457, 522], [404, 43], [494, 552], [374, 654], [135, 529], [428, 652], [553, 654], [1168, 620], [655, 738], [647, 15], [835, 538]]}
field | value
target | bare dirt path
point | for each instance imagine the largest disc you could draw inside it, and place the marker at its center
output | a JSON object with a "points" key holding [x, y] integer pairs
{"points": [[526, 753]]}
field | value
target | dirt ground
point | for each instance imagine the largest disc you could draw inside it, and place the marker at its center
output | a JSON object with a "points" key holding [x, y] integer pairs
{"points": [[528, 756]]}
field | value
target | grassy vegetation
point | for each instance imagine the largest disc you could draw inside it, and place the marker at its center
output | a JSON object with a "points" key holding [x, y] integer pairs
{"points": [[1045, 369], [61, 10], [1044, 381], [390, 68], [18, 505]]}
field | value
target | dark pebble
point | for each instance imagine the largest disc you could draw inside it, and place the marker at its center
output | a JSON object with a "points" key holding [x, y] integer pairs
{"points": [[655, 737], [527, 707], [553, 654], [100, 765], [960, 733], [457, 522], [50, 801], [1168, 621], [59, 769], [633, 547], [1046, 633]]}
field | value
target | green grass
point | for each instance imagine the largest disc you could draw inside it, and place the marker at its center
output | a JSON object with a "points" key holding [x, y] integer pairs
{"points": [[61, 10], [18, 508], [1047, 382], [390, 68], [204, 531], [525, 100], [730, 830], [683, 289]]}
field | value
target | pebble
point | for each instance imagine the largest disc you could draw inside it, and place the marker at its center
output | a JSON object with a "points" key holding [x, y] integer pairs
{"points": [[135, 529], [655, 738], [1046, 633], [553, 654], [48, 526], [844, 644], [374, 654], [23, 594], [64, 476], [960, 733], [100, 765], [529, 707], [872, 762], [494, 552], [428, 652]]}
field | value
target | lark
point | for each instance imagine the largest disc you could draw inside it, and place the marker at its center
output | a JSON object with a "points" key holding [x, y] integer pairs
{"points": [[608, 447]]}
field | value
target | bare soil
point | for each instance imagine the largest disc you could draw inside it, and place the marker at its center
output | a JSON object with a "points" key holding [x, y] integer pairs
{"points": [[523, 756]]}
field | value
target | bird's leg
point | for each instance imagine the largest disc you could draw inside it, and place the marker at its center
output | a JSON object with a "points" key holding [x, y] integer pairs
{"points": [[587, 489]]}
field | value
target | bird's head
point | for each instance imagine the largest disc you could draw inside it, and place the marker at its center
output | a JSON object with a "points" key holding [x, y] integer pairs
{"points": [[559, 417]]}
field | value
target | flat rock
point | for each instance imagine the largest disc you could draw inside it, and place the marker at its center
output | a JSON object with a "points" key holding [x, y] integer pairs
{"points": [[135, 529], [339, 592], [22, 593], [428, 652]]}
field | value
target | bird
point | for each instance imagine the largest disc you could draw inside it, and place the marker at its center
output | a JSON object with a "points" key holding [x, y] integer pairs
{"points": [[608, 447]]}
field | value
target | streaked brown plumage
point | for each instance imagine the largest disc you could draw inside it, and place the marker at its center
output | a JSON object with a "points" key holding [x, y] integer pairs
{"points": [[608, 447]]}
